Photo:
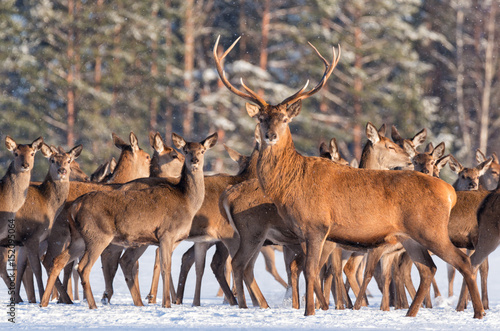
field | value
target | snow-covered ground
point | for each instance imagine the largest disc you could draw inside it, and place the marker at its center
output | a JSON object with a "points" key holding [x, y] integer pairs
{"points": [[213, 314]]}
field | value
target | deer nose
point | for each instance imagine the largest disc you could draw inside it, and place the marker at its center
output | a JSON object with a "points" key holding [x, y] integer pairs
{"points": [[26, 165], [195, 160], [472, 186], [62, 171], [425, 171], [271, 136]]}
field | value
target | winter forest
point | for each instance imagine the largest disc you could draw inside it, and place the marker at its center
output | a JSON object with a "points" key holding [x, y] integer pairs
{"points": [[74, 71]]}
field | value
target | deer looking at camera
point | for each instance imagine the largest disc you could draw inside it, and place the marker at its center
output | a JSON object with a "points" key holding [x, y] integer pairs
{"points": [[319, 200], [101, 218], [43, 203]]}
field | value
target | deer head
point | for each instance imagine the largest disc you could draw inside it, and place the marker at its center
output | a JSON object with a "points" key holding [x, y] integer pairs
{"points": [[138, 160], [416, 141], [273, 119], [332, 152], [60, 161], [166, 161], [24, 154], [468, 178], [491, 178], [382, 153], [426, 161], [193, 151]]}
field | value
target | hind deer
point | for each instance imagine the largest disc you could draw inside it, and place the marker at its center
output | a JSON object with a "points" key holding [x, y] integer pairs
{"points": [[355, 207], [101, 218], [489, 180], [468, 178], [43, 203]]}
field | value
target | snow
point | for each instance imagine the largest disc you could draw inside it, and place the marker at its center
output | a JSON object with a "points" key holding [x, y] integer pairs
{"points": [[213, 314]]}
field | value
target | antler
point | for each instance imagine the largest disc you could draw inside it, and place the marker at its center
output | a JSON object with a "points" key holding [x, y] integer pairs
{"points": [[251, 95], [300, 95]]}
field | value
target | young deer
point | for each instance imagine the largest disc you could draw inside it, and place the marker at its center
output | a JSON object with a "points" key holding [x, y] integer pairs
{"points": [[43, 202], [101, 218], [133, 163], [489, 181], [355, 207], [468, 178], [14, 184]]}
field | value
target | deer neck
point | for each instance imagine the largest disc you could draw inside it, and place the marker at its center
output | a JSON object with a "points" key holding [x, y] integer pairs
{"points": [[55, 192], [192, 186], [369, 158], [250, 170], [125, 170], [279, 167], [13, 189]]}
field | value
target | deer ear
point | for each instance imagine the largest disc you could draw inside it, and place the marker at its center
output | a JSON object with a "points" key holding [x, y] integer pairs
{"points": [[210, 141], [112, 164], [10, 143], [334, 150], [294, 109], [442, 162], [76, 151], [484, 166], [409, 149], [354, 163], [234, 155], [323, 149], [396, 137], [134, 143], [455, 166], [372, 133], [157, 143], [258, 137], [495, 157], [438, 151], [429, 148], [252, 109], [54, 149], [419, 138], [37, 143], [381, 130], [178, 141], [47, 150], [119, 142], [480, 157]]}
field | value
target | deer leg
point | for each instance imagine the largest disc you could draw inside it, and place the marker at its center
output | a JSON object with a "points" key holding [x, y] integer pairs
{"points": [[200, 253], [28, 283], [270, 260], [294, 261], [110, 259], [166, 265], [34, 260], [313, 248], [227, 275], [406, 265], [350, 270], [55, 265], [188, 259], [156, 278], [336, 260], [66, 284], [426, 268], [92, 252], [386, 262], [483, 270], [22, 260], [218, 267], [249, 278], [327, 277], [74, 272], [399, 269], [443, 248], [372, 259], [128, 265], [487, 242], [360, 263]]}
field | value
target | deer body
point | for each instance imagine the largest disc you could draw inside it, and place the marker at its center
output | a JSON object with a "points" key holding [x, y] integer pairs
{"points": [[43, 203], [117, 217]]}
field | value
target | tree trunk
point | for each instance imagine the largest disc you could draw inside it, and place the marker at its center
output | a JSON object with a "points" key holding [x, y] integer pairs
{"points": [[69, 79], [358, 88], [187, 123], [489, 70]]}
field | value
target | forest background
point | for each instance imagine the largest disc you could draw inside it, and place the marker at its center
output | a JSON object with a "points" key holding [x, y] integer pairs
{"points": [[74, 71]]}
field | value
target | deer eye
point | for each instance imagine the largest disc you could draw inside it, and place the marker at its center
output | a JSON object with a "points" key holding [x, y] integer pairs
{"points": [[202, 152], [286, 120], [16, 154], [32, 153]]}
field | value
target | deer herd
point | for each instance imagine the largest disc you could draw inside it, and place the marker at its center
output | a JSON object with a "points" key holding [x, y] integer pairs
{"points": [[328, 217]]}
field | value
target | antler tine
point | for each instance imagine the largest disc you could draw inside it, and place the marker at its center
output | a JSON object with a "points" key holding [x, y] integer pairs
{"points": [[328, 71], [250, 96]]}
